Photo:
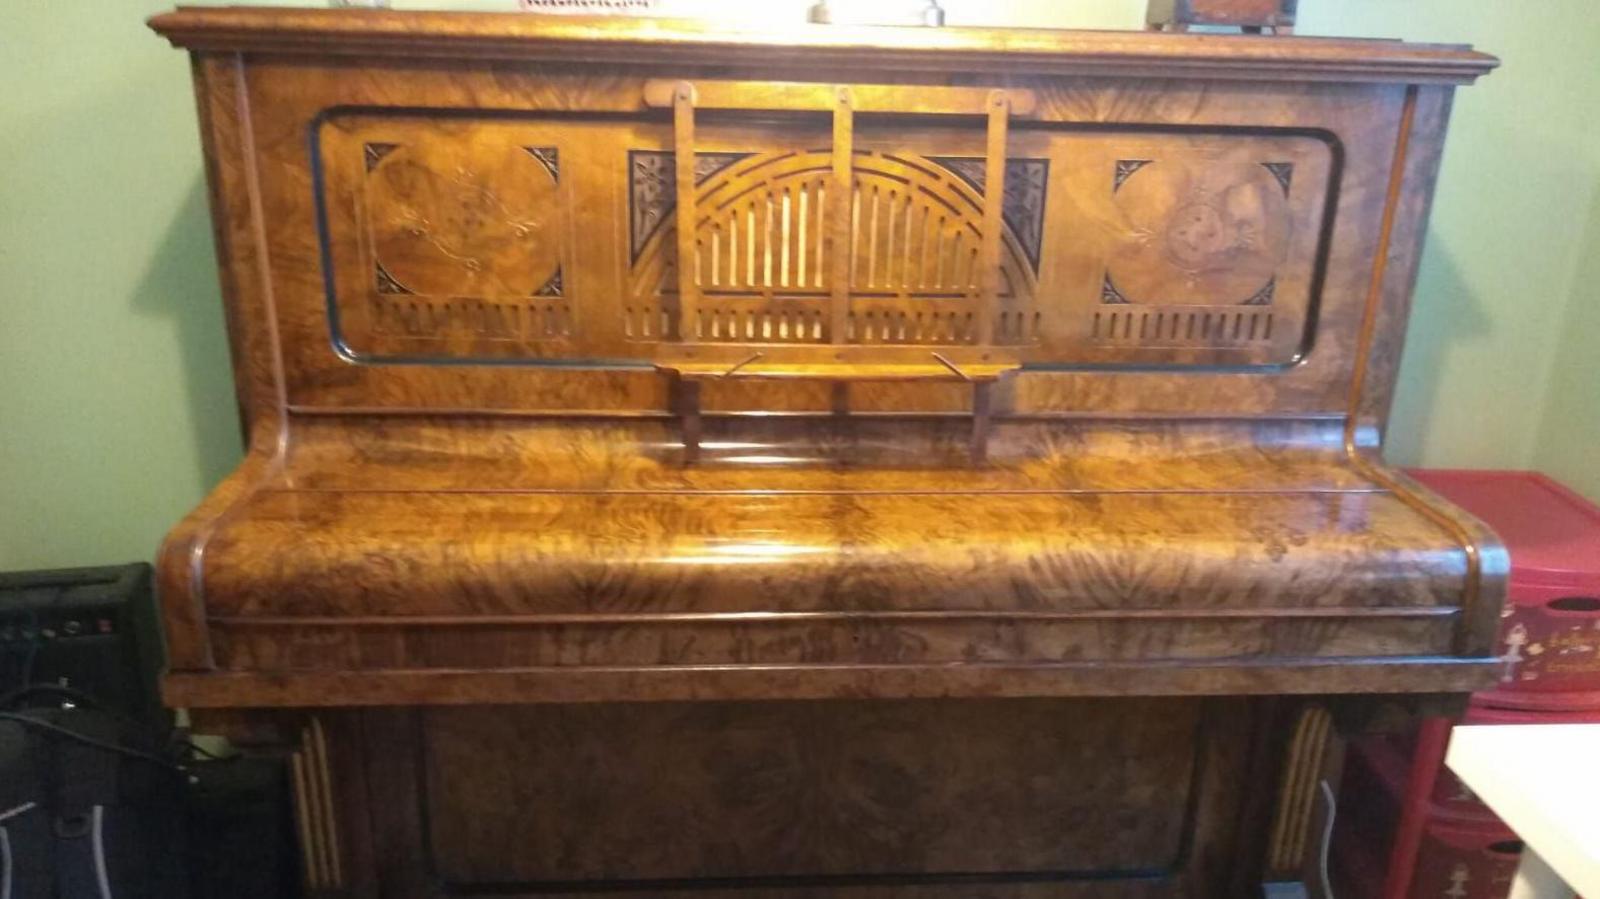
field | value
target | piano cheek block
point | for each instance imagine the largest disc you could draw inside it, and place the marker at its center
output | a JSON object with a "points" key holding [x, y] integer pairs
{"points": [[814, 462]]}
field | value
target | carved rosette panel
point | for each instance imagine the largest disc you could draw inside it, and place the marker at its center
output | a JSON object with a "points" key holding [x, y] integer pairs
{"points": [[1210, 243], [446, 238], [1199, 231], [461, 243], [441, 226]]}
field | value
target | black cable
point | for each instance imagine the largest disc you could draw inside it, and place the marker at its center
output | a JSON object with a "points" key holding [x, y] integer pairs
{"points": [[197, 749], [78, 697], [70, 694], [30, 721]]}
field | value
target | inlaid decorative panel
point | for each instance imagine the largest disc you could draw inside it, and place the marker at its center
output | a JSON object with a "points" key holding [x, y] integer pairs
{"points": [[521, 239], [452, 238], [1205, 243]]}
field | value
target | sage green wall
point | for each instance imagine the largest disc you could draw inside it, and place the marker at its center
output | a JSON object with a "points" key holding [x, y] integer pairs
{"points": [[116, 407], [1569, 442], [116, 412]]}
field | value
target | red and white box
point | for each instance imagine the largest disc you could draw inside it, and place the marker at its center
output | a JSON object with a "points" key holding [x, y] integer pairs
{"points": [[1474, 861], [1550, 629], [1452, 799]]}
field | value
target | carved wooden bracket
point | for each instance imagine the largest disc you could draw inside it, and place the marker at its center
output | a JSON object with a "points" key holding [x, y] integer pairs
{"points": [[690, 366]]}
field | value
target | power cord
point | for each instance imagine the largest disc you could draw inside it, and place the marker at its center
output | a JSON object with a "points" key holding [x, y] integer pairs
{"points": [[1327, 839], [85, 739], [78, 697]]}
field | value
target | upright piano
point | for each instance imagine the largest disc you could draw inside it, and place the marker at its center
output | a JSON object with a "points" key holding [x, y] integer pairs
{"points": [[817, 462]]}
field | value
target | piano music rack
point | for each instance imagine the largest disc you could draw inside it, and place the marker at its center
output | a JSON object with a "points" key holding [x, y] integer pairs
{"points": [[972, 357]]}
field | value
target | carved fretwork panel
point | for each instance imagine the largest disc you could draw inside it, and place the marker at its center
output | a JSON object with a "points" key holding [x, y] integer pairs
{"points": [[764, 266], [521, 239]]}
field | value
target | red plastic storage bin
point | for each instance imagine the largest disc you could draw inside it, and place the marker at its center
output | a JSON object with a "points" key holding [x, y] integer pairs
{"points": [[1465, 861], [1457, 856], [1550, 630]]}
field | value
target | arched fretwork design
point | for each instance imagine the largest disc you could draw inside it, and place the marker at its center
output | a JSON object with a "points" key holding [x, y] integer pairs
{"points": [[764, 262]]}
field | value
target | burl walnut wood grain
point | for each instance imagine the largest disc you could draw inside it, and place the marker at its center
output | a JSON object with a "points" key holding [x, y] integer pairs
{"points": [[403, 513], [718, 790], [606, 382], [847, 798]]}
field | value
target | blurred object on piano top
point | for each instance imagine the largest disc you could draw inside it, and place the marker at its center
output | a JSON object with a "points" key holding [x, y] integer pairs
{"points": [[1252, 16]]}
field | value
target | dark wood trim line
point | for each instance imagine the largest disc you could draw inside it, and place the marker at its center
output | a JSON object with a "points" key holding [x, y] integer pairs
{"points": [[1466, 641], [1227, 677], [632, 618]]}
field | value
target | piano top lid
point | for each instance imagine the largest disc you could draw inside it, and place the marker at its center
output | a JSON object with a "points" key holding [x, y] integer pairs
{"points": [[620, 41]]}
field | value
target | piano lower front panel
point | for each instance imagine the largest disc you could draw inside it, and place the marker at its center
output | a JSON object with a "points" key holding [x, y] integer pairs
{"points": [[1024, 798], [685, 791]]}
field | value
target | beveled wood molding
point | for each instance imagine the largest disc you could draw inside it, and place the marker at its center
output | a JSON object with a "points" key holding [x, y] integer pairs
{"points": [[988, 51], [685, 683]]}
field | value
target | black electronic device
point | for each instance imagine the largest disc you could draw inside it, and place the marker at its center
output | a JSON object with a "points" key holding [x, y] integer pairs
{"points": [[92, 629]]}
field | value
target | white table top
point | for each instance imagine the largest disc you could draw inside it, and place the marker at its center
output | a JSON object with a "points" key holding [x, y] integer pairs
{"points": [[1544, 781]]}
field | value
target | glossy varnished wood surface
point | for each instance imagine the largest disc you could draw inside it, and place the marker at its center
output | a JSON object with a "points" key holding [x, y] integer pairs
{"points": [[288, 96], [613, 41], [410, 517], [944, 798], [699, 683], [841, 798], [742, 552], [717, 790], [1051, 514], [809, 453], [313, 379], [779, 551]]}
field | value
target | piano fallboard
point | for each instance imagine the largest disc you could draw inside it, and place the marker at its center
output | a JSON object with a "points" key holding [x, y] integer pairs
{"points": [[577, 560]]}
